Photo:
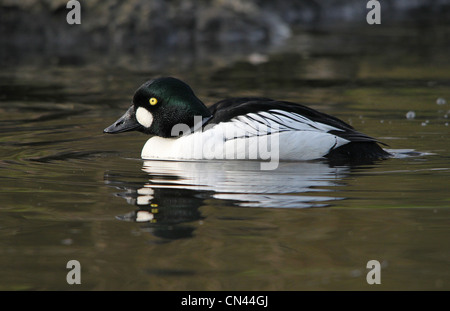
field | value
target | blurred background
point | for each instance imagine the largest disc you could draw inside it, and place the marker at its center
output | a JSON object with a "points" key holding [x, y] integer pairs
{"points": [[147, 34], [67, 191], [227, 43]]}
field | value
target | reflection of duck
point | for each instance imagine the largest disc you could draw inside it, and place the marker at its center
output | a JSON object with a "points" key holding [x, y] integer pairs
{"points": [[172, 192], [163, 212], [237, 128], [244, 183]]}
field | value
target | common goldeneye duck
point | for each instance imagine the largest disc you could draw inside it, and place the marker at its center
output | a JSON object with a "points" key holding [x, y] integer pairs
{"points": [[183, 128]]}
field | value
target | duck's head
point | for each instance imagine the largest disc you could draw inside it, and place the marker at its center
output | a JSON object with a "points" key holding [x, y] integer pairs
{"points": [[158, 105]]}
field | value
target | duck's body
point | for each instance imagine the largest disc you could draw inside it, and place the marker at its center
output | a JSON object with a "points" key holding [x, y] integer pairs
{"points": [[238, 128]]}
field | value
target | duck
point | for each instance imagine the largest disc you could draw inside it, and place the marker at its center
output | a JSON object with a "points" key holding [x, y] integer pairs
{"points": [[182, 127]]}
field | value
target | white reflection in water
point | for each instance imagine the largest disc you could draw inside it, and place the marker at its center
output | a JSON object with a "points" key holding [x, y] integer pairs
{"points": [[245, 183]]}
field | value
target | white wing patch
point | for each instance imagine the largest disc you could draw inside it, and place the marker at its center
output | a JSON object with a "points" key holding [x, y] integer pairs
{"points": [[299, 137], [295, 121], [273, 121]]}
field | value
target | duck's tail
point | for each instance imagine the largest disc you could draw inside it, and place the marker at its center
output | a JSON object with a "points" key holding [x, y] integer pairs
{"points": [[357, 153]]}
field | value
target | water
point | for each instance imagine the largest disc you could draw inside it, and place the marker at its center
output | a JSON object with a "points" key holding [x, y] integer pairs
{"points": [[70, 192]]}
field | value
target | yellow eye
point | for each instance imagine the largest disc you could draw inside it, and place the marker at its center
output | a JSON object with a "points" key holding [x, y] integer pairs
{"points": [[153, 101]]}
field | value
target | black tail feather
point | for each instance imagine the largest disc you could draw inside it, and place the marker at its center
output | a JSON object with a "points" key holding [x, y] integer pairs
{"points": [[357, 153]]}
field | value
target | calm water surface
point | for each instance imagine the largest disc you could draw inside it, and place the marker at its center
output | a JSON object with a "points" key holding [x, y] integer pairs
{"points": [[70, 192]]}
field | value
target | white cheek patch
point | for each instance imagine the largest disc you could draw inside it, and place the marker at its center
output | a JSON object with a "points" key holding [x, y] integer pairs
{"points": [[144, 117]]}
